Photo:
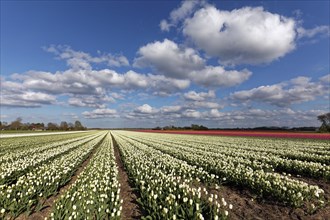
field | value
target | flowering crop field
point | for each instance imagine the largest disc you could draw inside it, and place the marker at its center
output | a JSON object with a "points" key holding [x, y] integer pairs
{"points": [[172, 176], [272, 134]]}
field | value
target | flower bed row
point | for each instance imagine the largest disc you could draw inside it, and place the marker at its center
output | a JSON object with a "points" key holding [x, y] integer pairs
{"points": [[95, 193], [17, 164], [238, 171], [16, 144], [34, 187], [166, 184], [255, 160]]}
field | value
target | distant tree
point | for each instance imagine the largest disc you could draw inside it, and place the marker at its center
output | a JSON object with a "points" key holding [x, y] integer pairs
{"points": [[78, 125], [17, 124], [325, 120], [70, 126], [25, 126], [195, 127], [41, 126], [3, 125], [64, 126], [170, 127], [52, 126], [198, 127]]}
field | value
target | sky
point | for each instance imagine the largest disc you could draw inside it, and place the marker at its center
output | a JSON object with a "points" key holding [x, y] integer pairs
{"points": [[116, 64]]}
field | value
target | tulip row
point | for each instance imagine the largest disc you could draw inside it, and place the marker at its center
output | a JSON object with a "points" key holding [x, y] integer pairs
{"points": [[237, 170], [95, 193], [35, 145], [167, 185], [34, 187], [307, 150], [255, 160], [17, 164], [16, 144]]}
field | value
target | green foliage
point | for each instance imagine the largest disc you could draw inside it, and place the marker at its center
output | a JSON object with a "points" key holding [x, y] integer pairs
{"points": [[325, 120]]}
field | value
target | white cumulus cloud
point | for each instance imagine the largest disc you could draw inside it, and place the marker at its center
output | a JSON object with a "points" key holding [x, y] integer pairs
{"points": [[241, 36], [217, 76], [191, 113], [100, 113], [95, 82], [169, 59], [14, 94], [83, 60], [186, 8], [27, 99], [322, 30], [94, 101], [215, 113], [297, 90], [174, 61], [146, 109], [205, 104], [171, 109], [199, 96]]}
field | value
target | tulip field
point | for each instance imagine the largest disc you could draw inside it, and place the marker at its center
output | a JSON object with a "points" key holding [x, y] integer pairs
{"points": [[173, 176]]}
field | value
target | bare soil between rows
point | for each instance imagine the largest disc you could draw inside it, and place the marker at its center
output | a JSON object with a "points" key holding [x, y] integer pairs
{"points": [[248, 206], [48, 204], [131, 209]]}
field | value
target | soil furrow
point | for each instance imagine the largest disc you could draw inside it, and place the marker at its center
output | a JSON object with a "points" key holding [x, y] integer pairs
{"points": [[249, 206], [131, 209]]}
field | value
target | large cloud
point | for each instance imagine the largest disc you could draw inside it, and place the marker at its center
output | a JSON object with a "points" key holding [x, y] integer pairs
{"points": [[297, 90], [28, 99], [242, 36], [13, 94], [96, 82], [83, 87], [69, 81], [169, 59], [212, 76]]}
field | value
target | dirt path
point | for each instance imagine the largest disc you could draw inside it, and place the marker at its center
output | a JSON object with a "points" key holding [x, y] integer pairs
{"points": [[46, 210], [131, 209]]}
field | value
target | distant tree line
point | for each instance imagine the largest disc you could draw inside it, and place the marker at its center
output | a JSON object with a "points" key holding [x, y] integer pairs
{"points": [[192, 127], [262, 128], [51, 126], [324, 119]]}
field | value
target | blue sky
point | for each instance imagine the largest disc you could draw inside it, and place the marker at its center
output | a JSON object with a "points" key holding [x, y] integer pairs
{"points": [[157, 63]]}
